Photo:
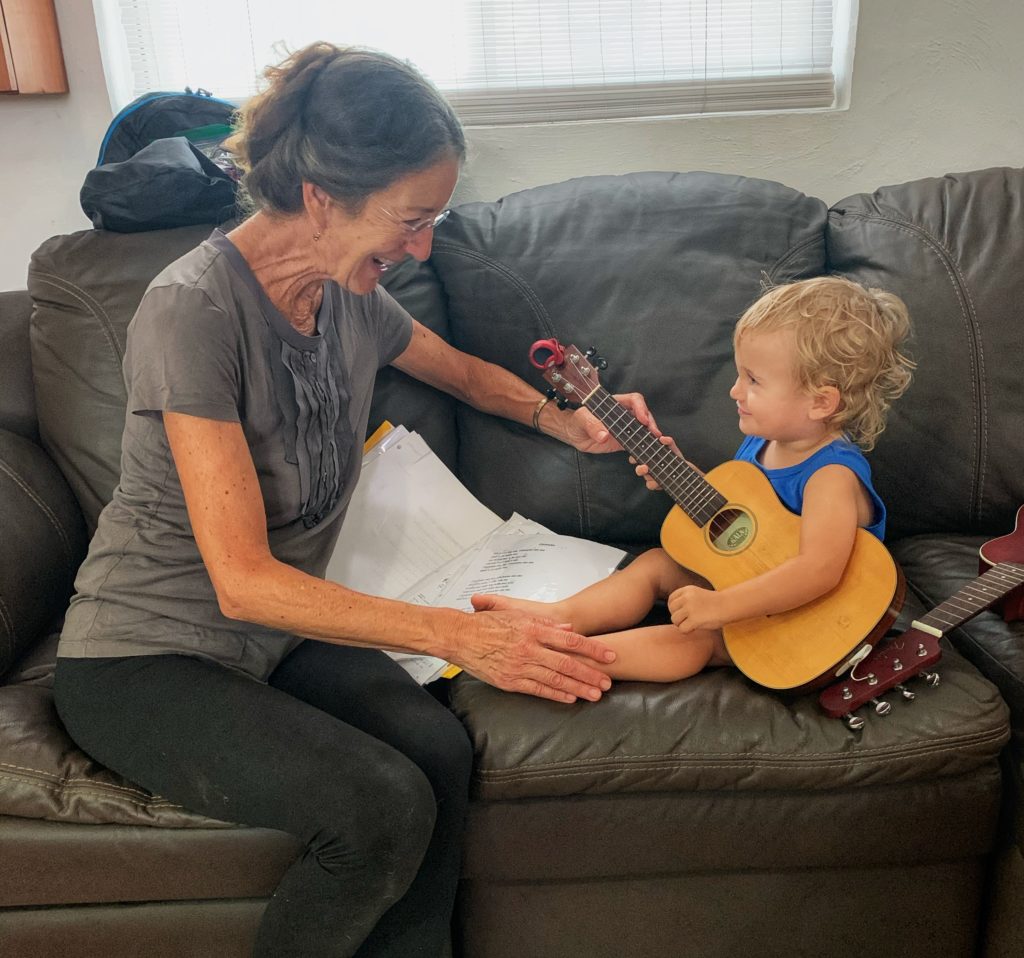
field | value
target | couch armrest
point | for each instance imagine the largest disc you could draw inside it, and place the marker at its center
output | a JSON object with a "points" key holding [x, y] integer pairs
{"points": [[44, 539]]}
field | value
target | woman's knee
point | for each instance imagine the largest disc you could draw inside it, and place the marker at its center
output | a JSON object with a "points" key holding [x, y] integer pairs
{"points": [[382, 829]]}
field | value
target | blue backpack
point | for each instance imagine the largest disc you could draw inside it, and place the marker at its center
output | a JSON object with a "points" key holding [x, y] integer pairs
{"points": [[154, 116]]}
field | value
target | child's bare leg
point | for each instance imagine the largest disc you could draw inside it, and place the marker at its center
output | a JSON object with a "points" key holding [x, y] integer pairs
{"points": [[661, 653], [617, 602]]}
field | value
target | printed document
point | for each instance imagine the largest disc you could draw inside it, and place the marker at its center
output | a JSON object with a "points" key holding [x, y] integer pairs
{"points": [[414, 532]]}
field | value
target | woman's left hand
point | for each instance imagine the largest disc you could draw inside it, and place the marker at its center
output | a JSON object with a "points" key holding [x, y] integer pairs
{"points": [[586, 433]]}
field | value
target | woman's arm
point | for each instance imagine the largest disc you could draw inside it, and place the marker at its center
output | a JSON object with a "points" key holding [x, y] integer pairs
{"points": [[495, 390], [833, 508], [519, 653]]}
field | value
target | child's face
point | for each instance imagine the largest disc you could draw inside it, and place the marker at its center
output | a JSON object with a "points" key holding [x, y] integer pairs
{"points": [[769, 400]]}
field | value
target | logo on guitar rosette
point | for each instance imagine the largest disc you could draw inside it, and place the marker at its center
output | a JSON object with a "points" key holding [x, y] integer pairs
{"points": [[732, 530]]}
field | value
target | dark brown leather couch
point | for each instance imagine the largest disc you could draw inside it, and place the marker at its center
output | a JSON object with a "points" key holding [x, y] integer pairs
{"points": [[704, 818]]}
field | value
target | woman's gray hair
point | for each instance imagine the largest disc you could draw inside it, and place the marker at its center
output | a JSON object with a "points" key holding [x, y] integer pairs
{"points": [[347, 119]]}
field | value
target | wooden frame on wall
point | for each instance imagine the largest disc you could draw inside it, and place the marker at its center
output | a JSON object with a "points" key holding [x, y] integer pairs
{"points": [[31, 60]]}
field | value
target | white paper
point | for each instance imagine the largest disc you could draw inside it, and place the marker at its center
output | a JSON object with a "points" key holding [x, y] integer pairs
{"points": [[414, 532], [544, 567], [408, 516]]}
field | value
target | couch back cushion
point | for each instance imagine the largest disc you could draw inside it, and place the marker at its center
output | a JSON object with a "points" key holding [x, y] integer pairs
{"points": [[653, 269], [951, 457], [87, 286]]}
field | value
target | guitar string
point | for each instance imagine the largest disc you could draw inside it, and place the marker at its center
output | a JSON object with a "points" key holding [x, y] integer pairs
{"points": [[1004, 577], [674, 473]]}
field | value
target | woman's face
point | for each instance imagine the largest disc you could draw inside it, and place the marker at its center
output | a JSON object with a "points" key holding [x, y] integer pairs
{"points": [[357, 250]]}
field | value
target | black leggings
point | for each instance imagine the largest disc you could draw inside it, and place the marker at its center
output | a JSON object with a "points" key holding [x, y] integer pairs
{"points": [[341, 748]]}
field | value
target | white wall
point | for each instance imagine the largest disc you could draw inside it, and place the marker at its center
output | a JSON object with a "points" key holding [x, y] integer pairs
{"points": [[937, 89], [48, 144]]}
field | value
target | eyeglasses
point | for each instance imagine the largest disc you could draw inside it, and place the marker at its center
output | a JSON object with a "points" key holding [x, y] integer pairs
{"points": [[417, 226]]}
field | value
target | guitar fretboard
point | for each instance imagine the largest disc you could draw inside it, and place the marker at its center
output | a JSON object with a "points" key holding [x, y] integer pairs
{"points": [[977, 596], [687, 487]]}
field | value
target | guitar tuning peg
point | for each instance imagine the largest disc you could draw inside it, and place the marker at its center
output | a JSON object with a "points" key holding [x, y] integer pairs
{"points": [[853, 722], [905, 692], [932, 678], [601, 362], [881, 708], [562, 402], [551, 392], [590, 352]]}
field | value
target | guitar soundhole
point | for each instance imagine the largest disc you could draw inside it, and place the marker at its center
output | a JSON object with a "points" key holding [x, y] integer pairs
{"points": [[731, 530]]}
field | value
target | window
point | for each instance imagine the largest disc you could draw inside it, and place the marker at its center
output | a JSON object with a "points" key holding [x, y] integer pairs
{"points": [[508, 61]]}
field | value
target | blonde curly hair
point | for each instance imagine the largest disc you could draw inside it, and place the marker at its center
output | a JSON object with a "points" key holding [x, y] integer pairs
{"points": [[848, 337]]}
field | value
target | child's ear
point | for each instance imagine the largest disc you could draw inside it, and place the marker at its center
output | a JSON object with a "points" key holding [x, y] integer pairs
{"points": [[825, 402]]}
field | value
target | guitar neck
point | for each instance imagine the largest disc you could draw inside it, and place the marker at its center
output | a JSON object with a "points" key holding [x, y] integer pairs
{"points": [[980, 594], [687, 487]]}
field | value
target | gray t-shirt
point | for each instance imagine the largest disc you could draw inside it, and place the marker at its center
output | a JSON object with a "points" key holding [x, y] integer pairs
{"points": [[207, 341]]}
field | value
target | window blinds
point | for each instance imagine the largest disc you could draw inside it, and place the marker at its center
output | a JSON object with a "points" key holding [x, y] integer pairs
{"points": [[506, 61]]}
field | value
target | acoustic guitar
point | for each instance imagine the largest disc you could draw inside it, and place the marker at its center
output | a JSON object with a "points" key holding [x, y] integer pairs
{"points": [[894, 662], [729, 526]]}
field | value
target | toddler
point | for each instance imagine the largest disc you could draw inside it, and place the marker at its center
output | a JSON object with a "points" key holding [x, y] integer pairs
{"points": [[818, 363]]}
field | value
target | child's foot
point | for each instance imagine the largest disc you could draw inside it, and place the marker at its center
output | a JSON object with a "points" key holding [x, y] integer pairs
{"points": [[486, 602]]}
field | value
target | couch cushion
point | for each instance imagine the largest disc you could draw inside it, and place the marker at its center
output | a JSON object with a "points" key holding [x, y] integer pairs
{"points": [[43, 540], [17, 400], [653, 269], [43, 774], [950, 459], [716, 732]]}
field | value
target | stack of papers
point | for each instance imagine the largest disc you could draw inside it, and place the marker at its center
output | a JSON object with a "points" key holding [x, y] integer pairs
{"points": [[413, 532]]}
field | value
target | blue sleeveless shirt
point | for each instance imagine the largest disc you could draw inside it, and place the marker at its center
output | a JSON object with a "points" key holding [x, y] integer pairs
{"points": [[789, 482]]}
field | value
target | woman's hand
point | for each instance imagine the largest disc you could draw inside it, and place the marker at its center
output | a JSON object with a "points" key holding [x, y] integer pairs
{"points": [[520, 652], [693, 607], [587, 434]]}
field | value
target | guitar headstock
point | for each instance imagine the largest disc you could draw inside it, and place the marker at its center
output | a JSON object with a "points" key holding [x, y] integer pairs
{"points": [[888, 665], [571, 372]]}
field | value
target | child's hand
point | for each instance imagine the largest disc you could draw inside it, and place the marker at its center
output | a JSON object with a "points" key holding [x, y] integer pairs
{"points": [[645, 473], [695, 608]]}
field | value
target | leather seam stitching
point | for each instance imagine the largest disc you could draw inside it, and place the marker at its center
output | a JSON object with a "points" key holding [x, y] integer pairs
{"points": [[98, 791], [43, 507], [94, 307], [653, 763]]}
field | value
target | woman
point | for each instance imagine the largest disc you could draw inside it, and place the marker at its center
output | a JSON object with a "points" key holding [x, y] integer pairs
{"points": [[250, 365]]}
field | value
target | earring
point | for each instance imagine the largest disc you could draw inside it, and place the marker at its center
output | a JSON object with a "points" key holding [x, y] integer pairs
{"points": [[316, 236]]}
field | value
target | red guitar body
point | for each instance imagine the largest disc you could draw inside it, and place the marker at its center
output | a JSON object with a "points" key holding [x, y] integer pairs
{"points": [[1008, 548]]}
